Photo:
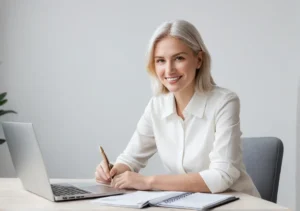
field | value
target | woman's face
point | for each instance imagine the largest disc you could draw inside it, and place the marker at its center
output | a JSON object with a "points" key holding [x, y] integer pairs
{"points": [[176, 64]]}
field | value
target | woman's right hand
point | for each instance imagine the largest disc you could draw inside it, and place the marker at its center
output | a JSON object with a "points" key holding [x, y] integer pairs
{"points": [[103, 173]]}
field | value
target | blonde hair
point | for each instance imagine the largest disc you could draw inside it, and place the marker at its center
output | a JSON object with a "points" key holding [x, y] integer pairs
{"points": [[187, 33]]}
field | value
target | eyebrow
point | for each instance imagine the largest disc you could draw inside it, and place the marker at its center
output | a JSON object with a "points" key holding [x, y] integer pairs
{"points": [[173, 55]]}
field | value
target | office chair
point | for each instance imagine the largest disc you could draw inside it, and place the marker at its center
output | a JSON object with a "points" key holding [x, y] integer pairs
{"points": [[263, 158]]}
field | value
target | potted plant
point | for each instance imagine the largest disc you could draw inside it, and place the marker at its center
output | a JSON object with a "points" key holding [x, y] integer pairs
{"points": [[2, 112]]}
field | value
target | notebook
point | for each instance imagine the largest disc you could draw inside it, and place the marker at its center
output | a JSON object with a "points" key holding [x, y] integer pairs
{"points": [[171, 199]]}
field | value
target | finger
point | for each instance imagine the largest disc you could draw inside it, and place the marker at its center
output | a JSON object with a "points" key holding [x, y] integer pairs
{"points": [[105, 168], [114, 181], [102, 174], [102, 182], [99, 169], [98, 166], [119, 181], [122, 184], [113, 172], [99, 178], [118, 176], [118, 184]]}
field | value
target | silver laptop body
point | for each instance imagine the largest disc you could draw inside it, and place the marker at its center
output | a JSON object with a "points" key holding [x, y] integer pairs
{"points": [[30, 168]]}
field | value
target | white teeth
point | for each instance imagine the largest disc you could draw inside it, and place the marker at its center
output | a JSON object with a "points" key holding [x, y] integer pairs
{"points": [[173, 79]]}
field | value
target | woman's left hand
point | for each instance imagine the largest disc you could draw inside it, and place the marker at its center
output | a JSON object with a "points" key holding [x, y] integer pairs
{"points": [[131, 180]]}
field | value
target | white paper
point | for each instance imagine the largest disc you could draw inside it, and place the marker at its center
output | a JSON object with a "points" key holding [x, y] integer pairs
{"points": [[135, 199], [196, 200]]}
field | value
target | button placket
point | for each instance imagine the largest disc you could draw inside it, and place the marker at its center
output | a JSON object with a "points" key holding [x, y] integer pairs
{"points": [[181, 145]]}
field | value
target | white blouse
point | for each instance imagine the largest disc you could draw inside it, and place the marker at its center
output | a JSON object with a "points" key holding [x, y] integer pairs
{"points": [[207, 141]]}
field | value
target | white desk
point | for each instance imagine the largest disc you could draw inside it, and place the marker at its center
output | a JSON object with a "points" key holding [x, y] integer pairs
{"points": [[13, 196]]}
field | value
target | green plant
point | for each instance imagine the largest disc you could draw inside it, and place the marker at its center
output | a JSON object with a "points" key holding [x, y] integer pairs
{"points": [[2, 112], [2, 102]]}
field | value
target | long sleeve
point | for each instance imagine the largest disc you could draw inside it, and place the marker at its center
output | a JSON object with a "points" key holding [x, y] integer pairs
{"points": [[142, 144], [226, 153]]}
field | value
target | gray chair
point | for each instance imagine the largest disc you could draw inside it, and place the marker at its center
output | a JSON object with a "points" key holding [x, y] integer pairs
{"points": [[263, 158]]}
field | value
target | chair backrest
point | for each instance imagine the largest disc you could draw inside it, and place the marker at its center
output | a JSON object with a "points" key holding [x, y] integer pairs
{"points": [[263, 158]]}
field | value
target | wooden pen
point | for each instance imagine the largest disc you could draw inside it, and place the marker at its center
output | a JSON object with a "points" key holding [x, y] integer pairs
{"points": [[105, 159]]}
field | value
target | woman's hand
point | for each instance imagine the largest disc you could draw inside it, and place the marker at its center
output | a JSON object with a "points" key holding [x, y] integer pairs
{"points": [[103, 174], [131, 180]]}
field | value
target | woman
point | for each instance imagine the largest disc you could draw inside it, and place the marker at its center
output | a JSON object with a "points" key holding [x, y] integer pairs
{"points": [[193, 124]]}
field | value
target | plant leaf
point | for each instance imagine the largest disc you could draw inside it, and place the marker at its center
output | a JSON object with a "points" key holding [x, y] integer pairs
{"points": [[2, 141], [2, 112], [2, 96], [2, 102]]}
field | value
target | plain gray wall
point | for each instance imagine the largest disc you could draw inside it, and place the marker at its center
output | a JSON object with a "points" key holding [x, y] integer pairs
{"points": [[76, 70], [298, 147]]}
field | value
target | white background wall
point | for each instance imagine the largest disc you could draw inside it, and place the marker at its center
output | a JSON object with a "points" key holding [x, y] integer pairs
{"points": [[76, 70]]}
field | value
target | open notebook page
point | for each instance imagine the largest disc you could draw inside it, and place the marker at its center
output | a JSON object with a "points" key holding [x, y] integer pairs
{"points": [[196, 201], [136, 199]]}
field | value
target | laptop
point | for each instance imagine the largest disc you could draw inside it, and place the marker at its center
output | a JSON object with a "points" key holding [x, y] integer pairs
{"points": [[30, 168]]}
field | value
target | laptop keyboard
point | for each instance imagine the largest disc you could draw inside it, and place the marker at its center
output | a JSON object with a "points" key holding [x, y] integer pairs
{"points": [[61, 190]]}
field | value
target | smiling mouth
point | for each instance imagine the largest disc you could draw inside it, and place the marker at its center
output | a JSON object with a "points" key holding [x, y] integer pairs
{"points": [[173, 79]]}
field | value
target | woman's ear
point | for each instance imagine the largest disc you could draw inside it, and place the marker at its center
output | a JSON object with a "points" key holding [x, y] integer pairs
{"points": [[200, 58]]}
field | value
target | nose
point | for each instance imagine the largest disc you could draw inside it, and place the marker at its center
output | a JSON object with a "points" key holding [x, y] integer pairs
{"points": [[170, 67]]}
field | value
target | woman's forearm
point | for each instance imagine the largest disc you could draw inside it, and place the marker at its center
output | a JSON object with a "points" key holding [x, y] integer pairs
{"points": [[191, 182]]}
